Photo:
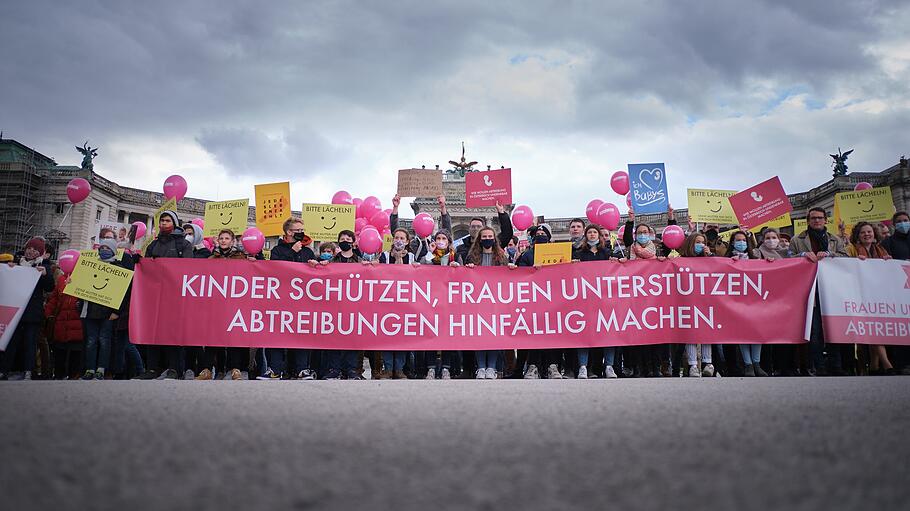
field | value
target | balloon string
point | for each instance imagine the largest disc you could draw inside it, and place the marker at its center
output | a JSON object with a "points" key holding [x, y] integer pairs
{"points": [[68, 209]]}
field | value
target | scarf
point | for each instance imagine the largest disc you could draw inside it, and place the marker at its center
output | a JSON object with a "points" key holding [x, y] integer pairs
{"points": [[34, 263], [439, 253], [874, 251], [648, 251], [770, 253], [226, 253], [818, 239]]}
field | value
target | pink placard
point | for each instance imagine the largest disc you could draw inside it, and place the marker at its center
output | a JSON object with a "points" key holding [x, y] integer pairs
{"points": [[760, 203], [484, 189]]}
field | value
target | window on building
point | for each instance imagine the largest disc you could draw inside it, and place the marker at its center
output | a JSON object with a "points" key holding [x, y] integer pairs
{"points": [[59, 207], [98, 213]]}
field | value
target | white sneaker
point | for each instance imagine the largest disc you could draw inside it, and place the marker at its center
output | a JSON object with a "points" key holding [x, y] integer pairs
{"points": [[693, 372], [445, 374], [431, 373], [582, 373], [553, 372], [28, 376], [491, 373], [708, 370], [610, 372], [481, 374], [189, 375], [531, 373]]}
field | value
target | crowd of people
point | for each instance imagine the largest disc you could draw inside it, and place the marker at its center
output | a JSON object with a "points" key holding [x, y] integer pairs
{"points": [[66, 338]]}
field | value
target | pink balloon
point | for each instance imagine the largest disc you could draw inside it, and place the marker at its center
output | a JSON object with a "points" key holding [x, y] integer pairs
{"points": [[387, 211], [423, 225], [252, 240], [198, 222], [68, 260], [209, 243], [620, 182], [673, 236], [380, 220], [591, 210], [359, 224], [862, 186], [621, 231], [342, 197], [140, 229], [357, 204], [522, 217], [369, 242], [78, 189], [175, 187], [629, 200], [608, 216], [370, 207], [386, 232]]}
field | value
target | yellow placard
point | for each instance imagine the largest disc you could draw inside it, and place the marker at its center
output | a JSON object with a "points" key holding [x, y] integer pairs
{"points": [[99, 282], [872, 205], [711, 206], [323, 222], [273, 207], [387, 242], [800, 225], [170, 204], [552, 253], [726, 235], [229, 214], [781, 221], [266, 254], [93, 254]]}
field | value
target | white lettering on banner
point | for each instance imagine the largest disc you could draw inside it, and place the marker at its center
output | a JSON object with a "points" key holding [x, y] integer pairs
{"points": [[327, 323]]}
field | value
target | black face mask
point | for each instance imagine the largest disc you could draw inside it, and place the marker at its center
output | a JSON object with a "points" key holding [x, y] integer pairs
{"points": [[298, 236], [487, 243], [541, 238], [344, 245], [711, 235]]}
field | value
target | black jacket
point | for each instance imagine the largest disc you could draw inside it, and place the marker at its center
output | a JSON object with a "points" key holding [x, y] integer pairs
{"points": [[584, 255], [98, 311], [505, 236], [898, 245], [172, 245], [284, 252], [34, 311]]}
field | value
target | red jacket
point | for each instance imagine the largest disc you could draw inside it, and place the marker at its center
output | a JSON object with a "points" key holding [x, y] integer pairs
{"points": [[67, 325]]}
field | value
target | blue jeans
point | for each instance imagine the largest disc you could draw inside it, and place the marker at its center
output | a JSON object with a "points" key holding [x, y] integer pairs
{"points": [[25, 337], [486, 358], [98, 333], [582, 356], [609, 356], [751, 353], [341, 360], [123, 348], [394, 360], [278, 362]]}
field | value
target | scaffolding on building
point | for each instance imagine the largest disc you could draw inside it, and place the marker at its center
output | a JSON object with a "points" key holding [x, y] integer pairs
{"points": [[23, 194]]}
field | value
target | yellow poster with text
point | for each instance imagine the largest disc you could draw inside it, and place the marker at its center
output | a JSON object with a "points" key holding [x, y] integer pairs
{"points": [[273, 207], [781, 221], [99, 282], [800, 225], [323, 222], [229, 214], [552, 253], [387, 242], [93, 254], [711, 206], [872, 205], [169, 205]]}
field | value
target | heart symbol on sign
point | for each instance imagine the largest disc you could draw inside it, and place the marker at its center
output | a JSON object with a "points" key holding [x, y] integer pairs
{"points": [[653, 179]]}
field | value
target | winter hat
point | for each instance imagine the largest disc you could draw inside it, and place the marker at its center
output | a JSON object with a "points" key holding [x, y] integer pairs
{"points": [[37, 244], [111, 244], [197, 233], [534, 228], [171, 214]]}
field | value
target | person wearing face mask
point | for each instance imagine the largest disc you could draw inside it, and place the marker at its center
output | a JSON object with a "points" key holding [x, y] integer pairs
{"points": [[293, 247], [393, 361], [194, 236], [476, 224], [785, 357], [696, 245], [170, 243], [486, 251], [742, 248], [651, 360], [577, 233], [418, 246], [898, 246], [539, 234], [25, 336], [98, 320], [815, 243], [440, 254], [512, 250], [595, 248], [196, 354], [344, 362]]}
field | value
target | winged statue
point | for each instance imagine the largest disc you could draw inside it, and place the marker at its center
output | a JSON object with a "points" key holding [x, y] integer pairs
{"points": [[88, 153]]}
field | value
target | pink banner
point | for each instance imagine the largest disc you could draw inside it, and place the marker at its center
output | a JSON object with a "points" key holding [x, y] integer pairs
{"points": [[483, 189], [396, 307], [761, 203]]}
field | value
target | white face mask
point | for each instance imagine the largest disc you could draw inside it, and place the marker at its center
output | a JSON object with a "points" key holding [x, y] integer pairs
{"points": [[442, 244], [772, 243]]}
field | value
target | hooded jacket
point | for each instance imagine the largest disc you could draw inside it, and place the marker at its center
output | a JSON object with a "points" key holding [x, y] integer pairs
{"points": [[67, 325], [284, 252], [898, 245]]}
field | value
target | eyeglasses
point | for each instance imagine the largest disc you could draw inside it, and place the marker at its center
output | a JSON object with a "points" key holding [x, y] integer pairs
{"points": [[816, 218]]}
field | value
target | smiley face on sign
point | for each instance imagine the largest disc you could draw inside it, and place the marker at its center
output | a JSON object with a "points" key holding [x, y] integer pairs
{"points": [[326, 220], [866, 208], [230, 217], [106, 282]]}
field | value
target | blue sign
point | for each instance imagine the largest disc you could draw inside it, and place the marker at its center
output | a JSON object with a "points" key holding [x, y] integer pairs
{"points": [[648, 186]]}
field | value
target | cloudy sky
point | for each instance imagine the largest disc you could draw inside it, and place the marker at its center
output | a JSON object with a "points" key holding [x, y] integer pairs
{"points": [[339, 95]]}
